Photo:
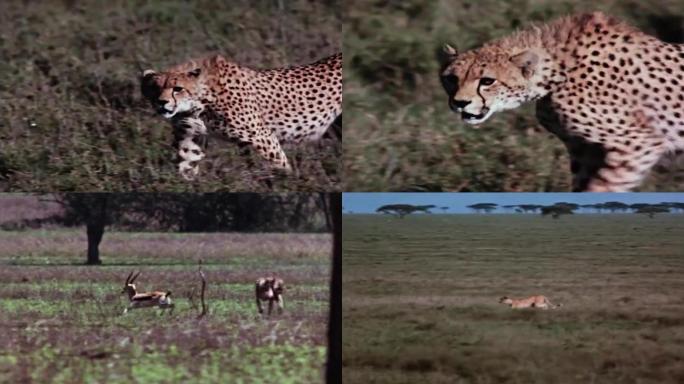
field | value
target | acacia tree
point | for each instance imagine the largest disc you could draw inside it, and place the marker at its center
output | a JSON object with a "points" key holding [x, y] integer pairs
{"points": [[402, 210], [651, 210], [674, 206], [613, 206], [596, 207], [96, 210], [529, 207], [556, 210], [483, 207], [509, 208]]}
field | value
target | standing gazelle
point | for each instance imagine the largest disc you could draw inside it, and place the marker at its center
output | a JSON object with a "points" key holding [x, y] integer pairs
{"points": [[145, 299], [270, 289]]}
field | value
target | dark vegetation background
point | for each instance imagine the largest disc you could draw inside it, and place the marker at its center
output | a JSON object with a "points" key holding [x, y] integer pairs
{"points": [[71, 113], [400, 132], [169, 212]]}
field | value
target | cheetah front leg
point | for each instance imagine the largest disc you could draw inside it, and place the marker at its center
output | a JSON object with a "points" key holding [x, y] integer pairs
{"points": [[623, 170], [616, 166], [268, 146], [605, 168], [187, 131]]}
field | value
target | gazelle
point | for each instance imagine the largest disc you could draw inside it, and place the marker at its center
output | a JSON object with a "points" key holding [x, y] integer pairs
{"points": [[145, 299], [271, 289]]}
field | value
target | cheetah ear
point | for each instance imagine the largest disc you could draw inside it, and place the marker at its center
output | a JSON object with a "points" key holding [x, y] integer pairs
{"points": [[450, 51], [195, 72], [147, 73], [447, 55], [526, 61]]}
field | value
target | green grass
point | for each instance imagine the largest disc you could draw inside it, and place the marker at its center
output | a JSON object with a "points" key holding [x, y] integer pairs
{"points": [[401, 134], [62, 321], [421, 297], [71, 113]]}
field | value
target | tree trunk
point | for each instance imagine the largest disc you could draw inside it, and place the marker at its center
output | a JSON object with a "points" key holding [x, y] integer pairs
{"points": [[334, 366], [95, 228], [325, 202]]}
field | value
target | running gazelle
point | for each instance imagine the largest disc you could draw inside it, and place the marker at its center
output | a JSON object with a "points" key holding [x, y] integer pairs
{"points": [[145, 299]]}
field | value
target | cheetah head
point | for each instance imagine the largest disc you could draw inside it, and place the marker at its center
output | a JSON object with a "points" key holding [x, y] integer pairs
{"points": [[482, 82], [174, 92]]}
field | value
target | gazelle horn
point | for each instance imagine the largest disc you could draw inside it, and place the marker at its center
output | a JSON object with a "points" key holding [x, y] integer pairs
{"points": [[134, 277]]}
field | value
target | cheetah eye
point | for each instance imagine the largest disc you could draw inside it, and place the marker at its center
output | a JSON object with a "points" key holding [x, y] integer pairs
{"points": [[486, 81], [177, 89]]}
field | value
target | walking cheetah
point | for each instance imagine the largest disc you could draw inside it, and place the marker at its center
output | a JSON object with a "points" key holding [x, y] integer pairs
{"points": [[612, 94], [261, 108], [531, 302]]}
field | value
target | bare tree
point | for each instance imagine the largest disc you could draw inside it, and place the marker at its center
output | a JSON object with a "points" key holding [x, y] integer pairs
{"points": [[203, 289]]}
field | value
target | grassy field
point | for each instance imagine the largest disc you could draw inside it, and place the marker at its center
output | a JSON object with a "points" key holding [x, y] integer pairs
{"points": [[421, 299], [401, 134], [62, 322], [71, 113]]}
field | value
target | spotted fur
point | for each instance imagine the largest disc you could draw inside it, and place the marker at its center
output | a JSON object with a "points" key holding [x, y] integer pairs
{"points": [[531, 302], [260, 108], [612, 94]]}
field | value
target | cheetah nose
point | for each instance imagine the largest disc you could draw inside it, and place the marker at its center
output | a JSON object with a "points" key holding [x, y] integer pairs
{"points": [[461, 103]]}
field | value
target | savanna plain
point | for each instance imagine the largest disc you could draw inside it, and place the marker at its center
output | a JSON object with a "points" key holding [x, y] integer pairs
{"points": [[421, 299], [62, 322]]}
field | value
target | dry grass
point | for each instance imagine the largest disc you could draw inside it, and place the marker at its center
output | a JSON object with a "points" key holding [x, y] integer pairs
{"points": [[421, 299]]}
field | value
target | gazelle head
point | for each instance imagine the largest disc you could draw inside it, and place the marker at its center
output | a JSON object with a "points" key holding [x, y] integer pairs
{"points": [[272, 287], [129, 287], [505, 300]]}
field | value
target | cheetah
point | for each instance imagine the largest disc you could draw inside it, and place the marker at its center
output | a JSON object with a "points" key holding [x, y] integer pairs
{"points": [[612, 94], [258, 108], [531, 302]]}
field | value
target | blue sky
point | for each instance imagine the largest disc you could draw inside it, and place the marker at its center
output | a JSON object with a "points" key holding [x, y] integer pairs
{"points": [[457, 202]]}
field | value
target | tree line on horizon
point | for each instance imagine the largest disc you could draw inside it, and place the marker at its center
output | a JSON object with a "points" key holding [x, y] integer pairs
{"points": [[554, 210]]}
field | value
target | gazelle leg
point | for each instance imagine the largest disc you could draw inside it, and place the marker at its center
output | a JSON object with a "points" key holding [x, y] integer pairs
{"points": [[281, 304]]}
